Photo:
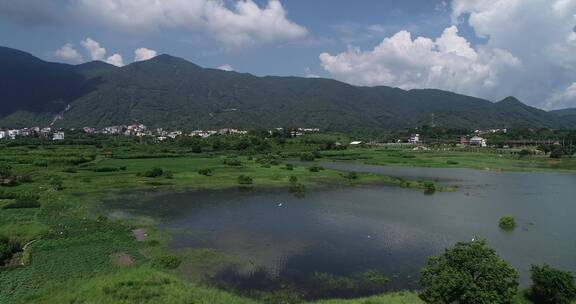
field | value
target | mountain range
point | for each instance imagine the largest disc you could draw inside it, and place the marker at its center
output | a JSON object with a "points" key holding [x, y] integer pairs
{"points": [[173, 93]]}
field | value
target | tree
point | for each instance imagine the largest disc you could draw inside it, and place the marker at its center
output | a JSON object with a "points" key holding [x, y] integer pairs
{"points": [[469, 273], [5, 170], [552, 286], [507, 223]]}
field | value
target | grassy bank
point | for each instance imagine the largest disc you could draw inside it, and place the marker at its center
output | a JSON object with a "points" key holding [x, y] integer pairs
{"points": [[484, 159]]}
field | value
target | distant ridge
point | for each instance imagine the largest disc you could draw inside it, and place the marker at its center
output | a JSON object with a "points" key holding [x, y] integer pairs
{"points": [[171, 92]]}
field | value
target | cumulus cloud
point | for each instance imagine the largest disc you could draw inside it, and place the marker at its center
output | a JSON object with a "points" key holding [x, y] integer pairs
{"points": [[97, 52], [448, 62], [566, 96], [116, 60], [94, 49], [68, 53], [242, 25], [141, 54], [527, 50], [226, 67]]}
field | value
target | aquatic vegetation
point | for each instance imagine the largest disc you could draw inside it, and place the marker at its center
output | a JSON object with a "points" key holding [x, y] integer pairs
{"points": [[507, 223]]}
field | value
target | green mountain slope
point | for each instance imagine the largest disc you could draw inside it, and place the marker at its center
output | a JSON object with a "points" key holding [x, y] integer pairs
{"points": [[173, 93]]}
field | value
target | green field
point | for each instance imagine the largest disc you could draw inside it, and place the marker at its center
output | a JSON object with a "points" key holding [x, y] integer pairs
{"points": [[483, 159], [75, 254]]}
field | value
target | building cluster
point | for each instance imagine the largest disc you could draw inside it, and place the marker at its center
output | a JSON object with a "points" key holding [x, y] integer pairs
{"points": [[35, 131], [138, 130]]}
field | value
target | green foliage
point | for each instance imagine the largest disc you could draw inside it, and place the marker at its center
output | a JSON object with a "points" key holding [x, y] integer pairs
{"points": [[154, 172], [233, 162], [166, 262], [289, 167], [469, 273], [552, 286], [307, 157], [206, 172], [315, 169], [7, 249], [245, 180], [351, 175], [5, 170], [56, 183], [23, 202], [507, 223], [429, 188], [105, 169]]}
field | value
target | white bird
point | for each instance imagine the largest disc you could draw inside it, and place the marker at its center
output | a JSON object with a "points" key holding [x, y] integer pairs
{"points": [[280, 205]]}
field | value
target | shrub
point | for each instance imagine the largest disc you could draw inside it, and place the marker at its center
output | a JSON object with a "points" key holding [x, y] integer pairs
{"points": [[307, 157], [524, 153], [452, 162], [168, 174], [154, 172], [7, 249], [507, 223], [23, 203], [469, 273], [206, 172], [166, 262], [56, 183], [351, 175], [315, 169], [552, 286], [293, 179], [429, 188], [232, 162], [5, 170], [105, 169], [245, 180], [289, 167]]}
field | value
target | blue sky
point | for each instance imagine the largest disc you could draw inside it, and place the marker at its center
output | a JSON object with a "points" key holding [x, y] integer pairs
{"points": [[488, 48]]}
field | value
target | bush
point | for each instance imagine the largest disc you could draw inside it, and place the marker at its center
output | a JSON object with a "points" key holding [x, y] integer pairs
{"points": [[154, 172], [166, 262], [452, 162], [105, 169], [315, 169], [7, 249], [293, 179], [469, 273], [289, 167], [245, 180], [168, 174], [351, 175], [429, 188], [41, 163], [552, 286], [5, 170], [206, 172], [307, 157], [232, 162], [56, 183], [23, 203], [507, 223]]}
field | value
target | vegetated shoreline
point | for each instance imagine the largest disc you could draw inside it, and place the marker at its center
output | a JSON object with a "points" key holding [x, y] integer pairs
{"points": [[451, 160]]}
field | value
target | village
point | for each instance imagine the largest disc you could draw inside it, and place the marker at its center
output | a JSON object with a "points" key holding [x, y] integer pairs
{"points": [[136, 130]]}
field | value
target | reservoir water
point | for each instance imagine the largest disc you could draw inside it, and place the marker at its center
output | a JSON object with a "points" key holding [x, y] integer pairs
{"points": [[345, 232]]}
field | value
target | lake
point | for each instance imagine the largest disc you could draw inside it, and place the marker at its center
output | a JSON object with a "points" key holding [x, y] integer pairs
{"points": [[331, 237]]}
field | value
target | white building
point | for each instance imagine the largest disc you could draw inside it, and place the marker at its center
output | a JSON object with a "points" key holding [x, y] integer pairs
{"points": [[3, 134], [478, 141], [58, 136], [414, 139], [13, 133]]}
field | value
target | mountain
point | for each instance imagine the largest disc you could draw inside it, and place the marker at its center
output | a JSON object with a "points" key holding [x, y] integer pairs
{"points": [[171, 92]]}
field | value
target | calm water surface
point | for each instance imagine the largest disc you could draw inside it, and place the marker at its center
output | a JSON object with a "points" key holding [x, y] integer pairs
{"points": [[347, 231]]}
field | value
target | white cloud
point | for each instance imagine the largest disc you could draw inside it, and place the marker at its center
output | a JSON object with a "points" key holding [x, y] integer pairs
{"points": [[527, 50], [226, 67], [540, 33], [141, 54], [242, 25], [116, 60], [449, 63], [309, 74], [94, 49], [68, 53], [561, 98]]}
